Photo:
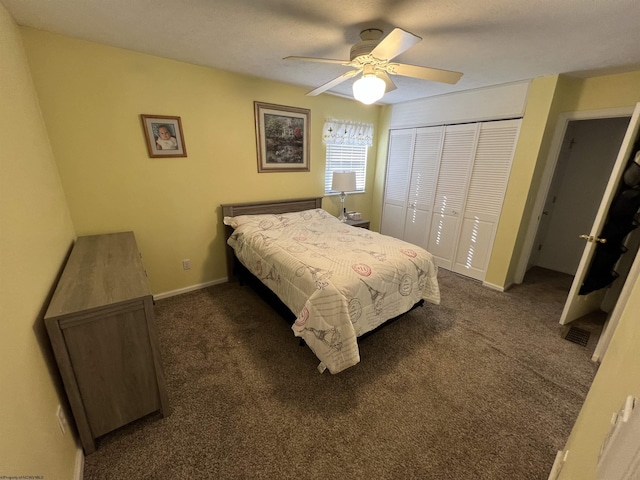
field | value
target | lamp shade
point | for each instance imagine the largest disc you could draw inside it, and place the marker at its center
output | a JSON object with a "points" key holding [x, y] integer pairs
{"points": [[343, 181], [368, 89]]}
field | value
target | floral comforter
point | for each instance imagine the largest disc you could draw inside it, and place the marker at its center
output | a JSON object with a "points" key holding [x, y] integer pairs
{"points": [[341, 281]]}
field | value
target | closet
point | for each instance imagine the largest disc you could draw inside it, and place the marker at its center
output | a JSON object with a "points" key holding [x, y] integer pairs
{"points": [[412, 167], [444, 190]]}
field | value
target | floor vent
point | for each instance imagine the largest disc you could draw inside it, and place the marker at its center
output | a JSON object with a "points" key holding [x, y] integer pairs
{"points": [[578, 335]]}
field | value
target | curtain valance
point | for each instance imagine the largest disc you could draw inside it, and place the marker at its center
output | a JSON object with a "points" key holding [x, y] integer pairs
{"points": [[346, 132]]}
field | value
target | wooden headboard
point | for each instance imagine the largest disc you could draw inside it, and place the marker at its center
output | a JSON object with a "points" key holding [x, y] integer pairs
{"points": [[276, 206], [261, 208]]}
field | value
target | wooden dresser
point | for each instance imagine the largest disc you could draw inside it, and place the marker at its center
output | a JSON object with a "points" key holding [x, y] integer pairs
{"points": [[102, 330]]}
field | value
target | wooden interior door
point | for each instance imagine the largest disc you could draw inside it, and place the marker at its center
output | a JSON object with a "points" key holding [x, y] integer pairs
{"points": [[576, 305]]}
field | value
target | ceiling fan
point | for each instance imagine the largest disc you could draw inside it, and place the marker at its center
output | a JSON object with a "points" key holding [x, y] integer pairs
{"points": [[372, 57]]}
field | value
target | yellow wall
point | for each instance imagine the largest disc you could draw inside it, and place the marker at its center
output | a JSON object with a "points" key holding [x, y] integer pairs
{"points": [[548, 98], [608, 91], [381, 167], [527, 158], [35, 236], [91, 97], [619, 373], [617, 377]]}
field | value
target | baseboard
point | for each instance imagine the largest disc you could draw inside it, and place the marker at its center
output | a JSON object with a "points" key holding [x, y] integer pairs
{"points": [[78, 472], [496, 287], [561, 457], [191, 288]]}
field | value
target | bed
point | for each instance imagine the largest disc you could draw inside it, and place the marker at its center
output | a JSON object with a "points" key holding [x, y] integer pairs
{"points": [[339, 281]]}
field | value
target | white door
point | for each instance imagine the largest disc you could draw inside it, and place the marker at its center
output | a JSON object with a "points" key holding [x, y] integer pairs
{"points": [[595, 144], [487, 185], [394, 207], [580, 305], [458, 151], [424, 171]]}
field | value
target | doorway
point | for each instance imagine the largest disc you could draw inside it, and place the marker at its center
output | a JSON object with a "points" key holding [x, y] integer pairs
{"points": [[587, 155], [559, 161]]}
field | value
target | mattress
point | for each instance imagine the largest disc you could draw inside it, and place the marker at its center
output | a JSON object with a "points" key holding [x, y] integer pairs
{"points": [[340, 281]]}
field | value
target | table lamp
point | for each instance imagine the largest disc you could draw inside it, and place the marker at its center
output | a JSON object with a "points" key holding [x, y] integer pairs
{"points": [[343, 182]]}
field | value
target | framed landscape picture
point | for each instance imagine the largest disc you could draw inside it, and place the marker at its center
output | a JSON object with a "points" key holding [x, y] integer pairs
{"points": [[282, 137], [164, 136]]}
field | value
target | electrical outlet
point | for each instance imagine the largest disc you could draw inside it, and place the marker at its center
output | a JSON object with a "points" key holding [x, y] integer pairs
{"points": [[186, 264], [62, 420]]}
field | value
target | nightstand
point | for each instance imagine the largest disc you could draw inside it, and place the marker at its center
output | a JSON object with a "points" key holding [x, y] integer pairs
{"points": [[362, 223]]}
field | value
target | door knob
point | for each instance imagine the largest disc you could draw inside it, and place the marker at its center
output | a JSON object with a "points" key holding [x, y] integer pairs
{"points": [[589, 238]]}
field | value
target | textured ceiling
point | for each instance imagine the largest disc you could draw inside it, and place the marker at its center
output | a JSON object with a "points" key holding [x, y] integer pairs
{"points": [[490, 41]]}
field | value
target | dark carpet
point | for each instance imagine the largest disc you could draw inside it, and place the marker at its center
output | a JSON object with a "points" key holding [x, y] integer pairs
{"points": [[483, 386]]}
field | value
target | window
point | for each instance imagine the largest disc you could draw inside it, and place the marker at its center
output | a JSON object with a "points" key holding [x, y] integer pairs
{"points": [[346, 158], [347, 143]]}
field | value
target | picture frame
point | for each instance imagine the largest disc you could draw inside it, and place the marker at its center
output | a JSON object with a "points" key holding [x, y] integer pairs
{"points": [[282, 138], [164, 137]]}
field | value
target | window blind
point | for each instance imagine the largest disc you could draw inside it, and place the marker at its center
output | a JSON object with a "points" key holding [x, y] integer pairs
{"points": [[346, 143], [346, 158]]}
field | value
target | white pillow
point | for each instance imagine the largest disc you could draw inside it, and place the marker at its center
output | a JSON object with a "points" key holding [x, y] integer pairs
{"points": [[271, 220]]}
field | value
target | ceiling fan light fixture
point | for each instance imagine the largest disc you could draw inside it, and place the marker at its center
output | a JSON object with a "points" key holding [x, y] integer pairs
{"points": [[368, 89]]}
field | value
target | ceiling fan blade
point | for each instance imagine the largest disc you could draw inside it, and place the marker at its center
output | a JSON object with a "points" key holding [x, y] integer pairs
{"points": [[425, 73], [321, 60], [387, 80], [334, 82], [394, 44]]}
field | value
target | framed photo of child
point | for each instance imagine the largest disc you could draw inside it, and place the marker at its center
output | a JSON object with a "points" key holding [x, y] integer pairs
{"points": [[164, 136]]}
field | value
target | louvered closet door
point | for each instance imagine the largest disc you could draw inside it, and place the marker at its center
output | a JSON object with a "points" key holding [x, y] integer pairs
{"points": [[458, 150], [489, 176], [424, 170], [397, 182]]}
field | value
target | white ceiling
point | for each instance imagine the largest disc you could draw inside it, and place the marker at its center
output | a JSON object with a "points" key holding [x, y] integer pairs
{"points": [[490, 41]]}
